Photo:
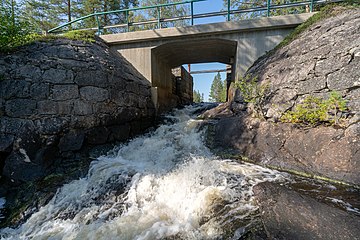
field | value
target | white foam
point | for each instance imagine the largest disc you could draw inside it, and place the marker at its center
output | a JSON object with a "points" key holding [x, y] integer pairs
{"points": [[173, 186], [2, 206]]}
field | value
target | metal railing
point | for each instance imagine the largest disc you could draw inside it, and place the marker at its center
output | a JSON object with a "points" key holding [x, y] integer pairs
{"points": [[268, 7]]}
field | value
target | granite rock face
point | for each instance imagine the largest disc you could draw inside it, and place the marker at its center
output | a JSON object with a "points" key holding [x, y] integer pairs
{"points": [[58, 96], [325, 57], [286, 214]]}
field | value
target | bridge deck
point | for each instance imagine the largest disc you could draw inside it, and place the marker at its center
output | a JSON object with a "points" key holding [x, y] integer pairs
{"points": [[209, 29]]}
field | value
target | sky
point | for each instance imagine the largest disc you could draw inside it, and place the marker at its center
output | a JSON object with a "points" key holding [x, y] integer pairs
{"points": [[202, 82]]}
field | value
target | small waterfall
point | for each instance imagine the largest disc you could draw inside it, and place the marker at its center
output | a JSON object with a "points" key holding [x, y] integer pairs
{"points": [[163, 185]]}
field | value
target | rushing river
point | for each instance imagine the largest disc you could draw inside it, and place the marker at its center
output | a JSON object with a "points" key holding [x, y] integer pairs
{"points": [[164, 185]]}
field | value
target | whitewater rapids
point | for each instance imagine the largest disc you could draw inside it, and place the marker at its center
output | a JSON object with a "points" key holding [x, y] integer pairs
{"points": [[163, 185]]}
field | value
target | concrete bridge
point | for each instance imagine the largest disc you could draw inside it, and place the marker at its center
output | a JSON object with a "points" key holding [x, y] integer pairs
{"points": [[155, 53]]}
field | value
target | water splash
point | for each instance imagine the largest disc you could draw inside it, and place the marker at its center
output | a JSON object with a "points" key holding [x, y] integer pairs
{"points": [[163, 185], [2, 205]]}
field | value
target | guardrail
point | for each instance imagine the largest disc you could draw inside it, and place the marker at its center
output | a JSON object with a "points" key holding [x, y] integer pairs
{"points": [[268, 7]]}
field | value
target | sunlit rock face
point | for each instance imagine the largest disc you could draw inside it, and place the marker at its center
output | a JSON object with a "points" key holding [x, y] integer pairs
{"points": [[324, 58], [58, 96]]}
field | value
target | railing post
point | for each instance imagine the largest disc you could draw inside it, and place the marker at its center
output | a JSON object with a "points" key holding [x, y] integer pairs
{"points": [[228, 9], [98, 23], [127, 21], [268, 8], [192, 13], [159, 17], [312, 5]]}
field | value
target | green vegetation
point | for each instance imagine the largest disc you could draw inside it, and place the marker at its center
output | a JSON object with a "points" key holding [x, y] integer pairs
{"points": [[198, 97], [24, 21], [11, 42], [13, 32], [218, 89], [254, 93], [166, 12], [247, 4], [314, 111], [325, 12], [82, 35]]}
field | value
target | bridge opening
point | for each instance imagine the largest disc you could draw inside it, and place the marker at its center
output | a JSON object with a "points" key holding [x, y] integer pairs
{"points": [[210, 81], [167, 57]]}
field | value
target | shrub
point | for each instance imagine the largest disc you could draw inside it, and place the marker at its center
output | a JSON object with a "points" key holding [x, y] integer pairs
{"points": [[12, 32], [314, 111], [253, 92], [83, 35], [335, 105]]}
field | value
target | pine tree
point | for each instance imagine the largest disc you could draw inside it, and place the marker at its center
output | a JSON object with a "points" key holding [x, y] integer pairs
{"points": [[91, 6], [197, 97], [44, 14], [217, 90]]}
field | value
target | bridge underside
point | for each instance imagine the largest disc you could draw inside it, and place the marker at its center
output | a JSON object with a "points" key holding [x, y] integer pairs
{"points": [[197, 51], [154, 53]]}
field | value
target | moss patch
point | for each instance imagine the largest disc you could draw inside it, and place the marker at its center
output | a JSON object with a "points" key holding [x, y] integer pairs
{"points": [[78, 35]]}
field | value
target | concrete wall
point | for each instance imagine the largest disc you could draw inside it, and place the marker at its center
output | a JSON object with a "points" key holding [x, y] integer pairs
{"points": [[183, 82]]}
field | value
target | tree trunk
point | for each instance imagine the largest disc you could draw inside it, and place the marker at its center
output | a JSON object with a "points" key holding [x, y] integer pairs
{"points": [[69, 10]]}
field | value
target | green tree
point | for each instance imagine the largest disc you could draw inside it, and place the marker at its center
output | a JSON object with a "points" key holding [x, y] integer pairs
{"points": [[165, 12], [91, 6], [13, 30], [197, 97], [217, 90], [247, 4], [43, 15]]}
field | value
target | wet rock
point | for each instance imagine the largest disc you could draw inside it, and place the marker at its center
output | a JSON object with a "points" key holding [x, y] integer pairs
{"points": [[119, 133], [97, 135], [18, 168], [6, 143], [72, 141], [287, 214]]}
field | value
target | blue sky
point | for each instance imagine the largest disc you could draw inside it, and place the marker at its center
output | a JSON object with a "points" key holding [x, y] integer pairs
{"points": [[202, 82]]}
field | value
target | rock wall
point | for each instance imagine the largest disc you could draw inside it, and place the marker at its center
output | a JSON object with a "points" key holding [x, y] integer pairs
{"points": [[325, 57], [58, 96]]}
